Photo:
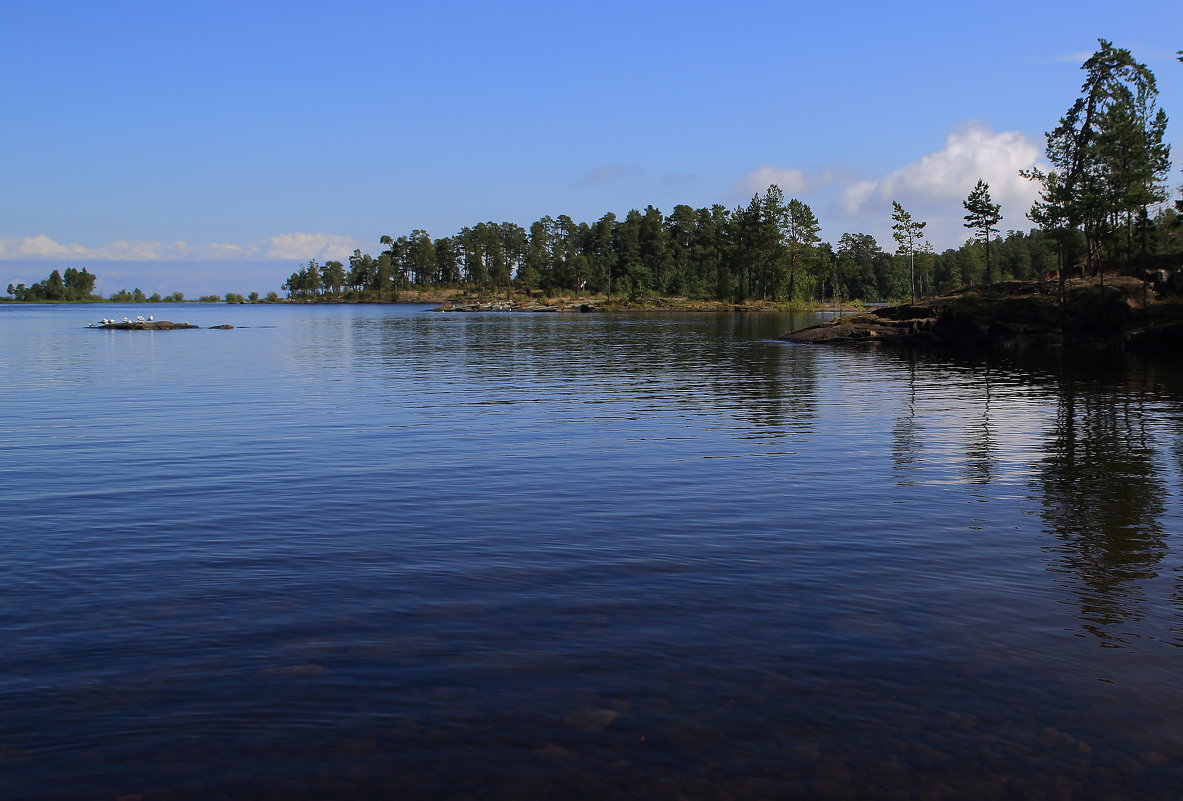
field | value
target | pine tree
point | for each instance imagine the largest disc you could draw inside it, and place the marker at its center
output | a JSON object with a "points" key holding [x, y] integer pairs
{"points": [[983, 216], [1108, 153], [908, 234], [801, 237]]}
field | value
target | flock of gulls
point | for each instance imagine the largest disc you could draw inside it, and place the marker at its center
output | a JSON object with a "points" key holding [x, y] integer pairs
{"points": [[142, 323], [125, 321]]}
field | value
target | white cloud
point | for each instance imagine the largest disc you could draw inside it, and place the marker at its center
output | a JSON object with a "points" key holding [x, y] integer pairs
{"points": [[971, 152], [857, 195], [41, 247], [144, 251], [934, 186], [307, 246], [295, 246], [790, 180]]}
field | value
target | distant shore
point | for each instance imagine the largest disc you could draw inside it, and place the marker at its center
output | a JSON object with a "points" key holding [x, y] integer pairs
{"points": [[585, 305], [460, 302]]}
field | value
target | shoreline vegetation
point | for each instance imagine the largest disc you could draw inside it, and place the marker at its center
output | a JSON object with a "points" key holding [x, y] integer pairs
{"points": [[473, 300], [467, 300], [77, 286]]}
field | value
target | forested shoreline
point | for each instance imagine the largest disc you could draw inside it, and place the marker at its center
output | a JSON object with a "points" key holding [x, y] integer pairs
{"points": [[68, 286], [77, 286], [708, 253]]}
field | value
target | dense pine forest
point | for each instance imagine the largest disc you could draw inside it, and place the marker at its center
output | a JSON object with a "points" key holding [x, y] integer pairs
{"points": [[736, 255]]}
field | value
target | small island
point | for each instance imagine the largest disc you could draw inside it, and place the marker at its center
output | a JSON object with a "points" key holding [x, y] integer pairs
{"points": [[148, 324]]}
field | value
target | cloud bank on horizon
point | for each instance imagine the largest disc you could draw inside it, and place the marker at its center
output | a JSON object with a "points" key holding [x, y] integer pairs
{"points": [[286, 247]]}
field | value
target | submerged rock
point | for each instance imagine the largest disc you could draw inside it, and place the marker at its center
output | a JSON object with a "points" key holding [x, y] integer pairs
{"points": [[553, 752], [586, 720], [298, 670]]}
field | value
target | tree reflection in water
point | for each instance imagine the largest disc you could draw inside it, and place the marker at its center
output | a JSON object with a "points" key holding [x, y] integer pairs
{"points": [[1102, 502], [906, 438], [1100, 476], [980, 447]]}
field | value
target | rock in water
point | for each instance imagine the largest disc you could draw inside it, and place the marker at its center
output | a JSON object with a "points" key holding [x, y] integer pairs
{"points": [[590, 719]]}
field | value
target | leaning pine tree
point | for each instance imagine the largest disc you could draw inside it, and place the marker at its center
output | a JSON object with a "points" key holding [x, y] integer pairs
{"points": [[1108, 156]]}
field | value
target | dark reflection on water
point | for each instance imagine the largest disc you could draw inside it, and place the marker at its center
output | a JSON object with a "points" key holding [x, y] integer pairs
{"points": [[980, 439], [375, 553], [907, 442], [1101, 473], [1103, 498]]}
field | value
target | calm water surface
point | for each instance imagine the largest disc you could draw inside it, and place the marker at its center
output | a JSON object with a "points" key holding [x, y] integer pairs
{"points": [[363, 552]]}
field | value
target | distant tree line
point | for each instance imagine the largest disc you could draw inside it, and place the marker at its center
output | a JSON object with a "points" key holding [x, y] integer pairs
{"points": [[137, 296], [76, 286], [767, 250]]}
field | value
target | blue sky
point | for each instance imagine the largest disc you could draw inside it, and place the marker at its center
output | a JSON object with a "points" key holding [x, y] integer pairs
{"points": [[213, 146]]}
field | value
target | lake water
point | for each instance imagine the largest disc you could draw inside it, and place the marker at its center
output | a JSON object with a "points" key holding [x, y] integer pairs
{"points": [[375, 552]]}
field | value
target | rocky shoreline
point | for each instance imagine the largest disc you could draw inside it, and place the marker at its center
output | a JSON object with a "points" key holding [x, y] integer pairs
{"points": [[1124, 312], [570, 306], [513, 306]]}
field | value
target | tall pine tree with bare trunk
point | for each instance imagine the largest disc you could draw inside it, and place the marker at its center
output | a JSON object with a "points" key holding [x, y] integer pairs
{"points": [[983, 216], [908, 234]]}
